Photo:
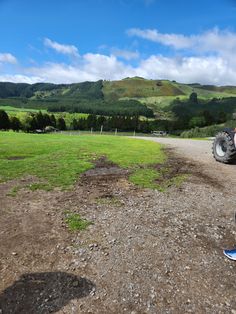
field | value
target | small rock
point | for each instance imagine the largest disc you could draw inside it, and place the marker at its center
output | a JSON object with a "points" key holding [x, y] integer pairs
{"points": [[75, 283], [14, 253]]}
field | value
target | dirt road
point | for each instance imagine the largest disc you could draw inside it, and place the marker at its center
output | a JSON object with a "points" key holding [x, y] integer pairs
{"points": [[199, 151], [146, 252]]}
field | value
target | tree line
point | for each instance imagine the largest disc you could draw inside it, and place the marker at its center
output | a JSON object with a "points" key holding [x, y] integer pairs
{"points": [[45, 121], [129, 107], [121, 123], [31, 123]]}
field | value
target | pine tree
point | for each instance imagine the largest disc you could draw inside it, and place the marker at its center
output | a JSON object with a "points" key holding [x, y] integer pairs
{"points": [[61, 125], [15, 124], [4, 120]]}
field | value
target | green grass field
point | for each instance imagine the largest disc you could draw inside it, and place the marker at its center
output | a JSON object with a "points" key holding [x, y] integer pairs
{"points": [[14, 110], [58, 160]]}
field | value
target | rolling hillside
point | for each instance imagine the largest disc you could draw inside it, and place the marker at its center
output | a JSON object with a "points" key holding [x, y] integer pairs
{"points": [[106, 96]]}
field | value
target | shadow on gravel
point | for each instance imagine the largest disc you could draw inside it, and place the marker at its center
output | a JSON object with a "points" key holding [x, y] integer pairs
{"points": [[38, 293]]}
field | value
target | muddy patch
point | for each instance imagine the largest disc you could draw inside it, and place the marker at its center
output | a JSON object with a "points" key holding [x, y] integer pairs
{"points": [[16, 157], [12, 187], [178, 166], [104, 170], [103, 162]]}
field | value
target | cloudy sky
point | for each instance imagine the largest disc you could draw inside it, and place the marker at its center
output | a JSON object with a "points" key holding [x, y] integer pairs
{"points": [[65, 41]]}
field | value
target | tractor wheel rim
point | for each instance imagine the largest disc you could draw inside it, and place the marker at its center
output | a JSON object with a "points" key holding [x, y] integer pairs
{"points": [[221, 148]]}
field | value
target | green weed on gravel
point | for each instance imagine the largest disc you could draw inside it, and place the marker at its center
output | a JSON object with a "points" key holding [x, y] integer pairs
{"points": [[153, 179], [13, 191], [76, 223]]}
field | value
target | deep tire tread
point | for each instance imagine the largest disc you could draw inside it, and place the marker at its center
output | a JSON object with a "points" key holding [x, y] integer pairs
{"points": [[230, 155]]}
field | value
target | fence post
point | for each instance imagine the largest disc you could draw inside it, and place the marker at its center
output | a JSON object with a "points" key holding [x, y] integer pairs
{"points": [[101, 129]]}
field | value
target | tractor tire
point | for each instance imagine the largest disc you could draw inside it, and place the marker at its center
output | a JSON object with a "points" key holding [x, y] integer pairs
{"points": [[223, 148]]}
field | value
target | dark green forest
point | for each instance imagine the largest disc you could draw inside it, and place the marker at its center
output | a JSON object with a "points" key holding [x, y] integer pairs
{"points": [[194, 112], [86, 97]]}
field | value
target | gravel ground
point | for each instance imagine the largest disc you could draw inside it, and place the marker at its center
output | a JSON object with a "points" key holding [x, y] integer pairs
{"points": [[147, 251], [199, 151]]}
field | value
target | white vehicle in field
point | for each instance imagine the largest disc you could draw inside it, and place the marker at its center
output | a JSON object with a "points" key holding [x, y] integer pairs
{"points": [[159, 133]]}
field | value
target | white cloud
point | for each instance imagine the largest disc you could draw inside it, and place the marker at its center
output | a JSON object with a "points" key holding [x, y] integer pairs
{"points": [[92, 67], [177, 41], [7, 58], [212, 61], [215, 40], [64, 49], [19, 78], [206, 70], [125, 54]]}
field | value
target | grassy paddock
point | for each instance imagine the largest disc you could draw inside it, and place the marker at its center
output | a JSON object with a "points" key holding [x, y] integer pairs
{"points": [[58, 160], [15, 110]]}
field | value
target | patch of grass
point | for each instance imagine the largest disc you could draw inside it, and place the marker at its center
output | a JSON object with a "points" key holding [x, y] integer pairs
{"points": [[175, 181], [145, 178], [76, 223], [13, 191], [154, 179], [108, 201], [39, 186], [10, 109], [59, 159]]}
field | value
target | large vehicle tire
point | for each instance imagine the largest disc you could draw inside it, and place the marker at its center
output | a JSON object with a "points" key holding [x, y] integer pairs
{"points": [[223, 148]]}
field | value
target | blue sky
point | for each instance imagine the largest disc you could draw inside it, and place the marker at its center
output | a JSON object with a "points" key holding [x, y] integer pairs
{"points": [[77, 40]]}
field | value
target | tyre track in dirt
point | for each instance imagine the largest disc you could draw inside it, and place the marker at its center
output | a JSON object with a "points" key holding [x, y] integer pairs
{"points": [[200, 152]]}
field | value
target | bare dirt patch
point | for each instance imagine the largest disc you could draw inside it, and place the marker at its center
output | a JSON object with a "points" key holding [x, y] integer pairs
{"points": [[16, 158], [146, 252], [180, 166], [104, 170]]}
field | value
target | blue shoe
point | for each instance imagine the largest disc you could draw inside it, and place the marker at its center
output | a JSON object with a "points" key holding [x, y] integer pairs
{"points": [[231, 254]]}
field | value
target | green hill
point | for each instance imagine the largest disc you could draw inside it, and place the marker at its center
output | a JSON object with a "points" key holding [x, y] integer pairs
{"points": [[128, 96], [138, 87]]}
